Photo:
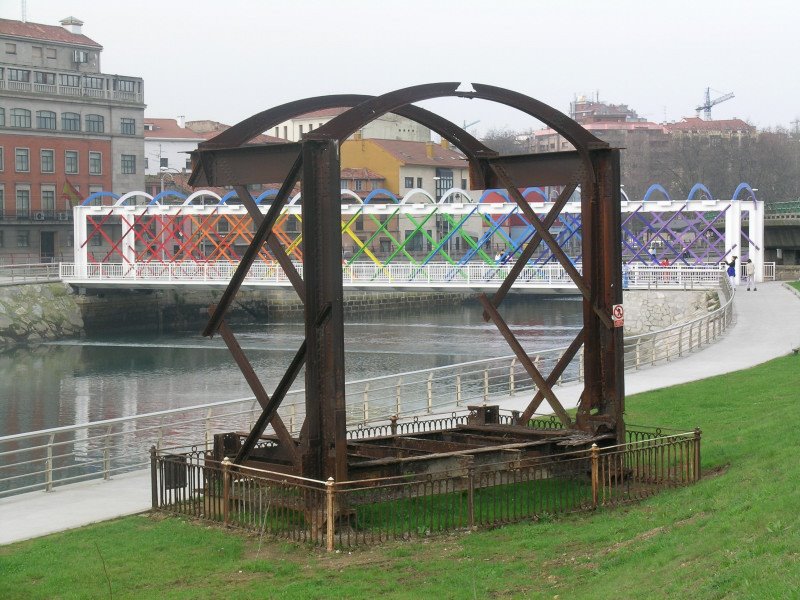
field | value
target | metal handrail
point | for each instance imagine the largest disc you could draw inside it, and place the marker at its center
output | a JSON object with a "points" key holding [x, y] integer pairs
{"points": [[112, 445], [13, 274]]}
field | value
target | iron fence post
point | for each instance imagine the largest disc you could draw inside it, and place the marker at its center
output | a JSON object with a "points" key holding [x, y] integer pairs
{"points": [[595, 474], [697, 466], [49, 464], [107, 454], [393, 424], [331, 517], [153, 478], [471, 498], [226, 489], [430, 393]]}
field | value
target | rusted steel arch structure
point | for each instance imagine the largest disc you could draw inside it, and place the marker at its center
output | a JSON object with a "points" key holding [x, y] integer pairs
{"points": [[322, 449]]}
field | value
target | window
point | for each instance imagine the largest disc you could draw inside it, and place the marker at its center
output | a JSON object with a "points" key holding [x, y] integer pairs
{"points": [[23, 238], [2, 164], [36, 51], [409, 182], [188, 163], [49, 199], [44, 78], [19, 75], [223, 226], [360, 223], [11, 48], [301, 130], [95, 123], [414, 244], [2, 114], [126, 85], [93, 83], [71, 162], [45, 119], [20, 117], [70, 80], [48, 161], [444, 181], [128, 164], [163, 162], [419, 182], [22, 160], [70, 121], [95, 163], [127, 127], [463, 184], [50, 53], [23, 202], [359, 184], [286, 132]]}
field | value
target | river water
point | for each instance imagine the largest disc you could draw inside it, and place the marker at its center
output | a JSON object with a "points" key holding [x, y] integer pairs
{"points": [[109, 376]]}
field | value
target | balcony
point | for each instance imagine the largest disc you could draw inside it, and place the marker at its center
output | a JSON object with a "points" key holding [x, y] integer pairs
{"points": [[65, 90], [37, 216]]}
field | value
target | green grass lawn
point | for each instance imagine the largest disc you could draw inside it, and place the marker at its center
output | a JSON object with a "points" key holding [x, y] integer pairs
{"points": [[735, 534], [795, 285]]}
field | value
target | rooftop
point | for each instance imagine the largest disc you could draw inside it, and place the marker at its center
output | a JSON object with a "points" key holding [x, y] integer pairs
{"points": [[45, 33], [417, 153]]}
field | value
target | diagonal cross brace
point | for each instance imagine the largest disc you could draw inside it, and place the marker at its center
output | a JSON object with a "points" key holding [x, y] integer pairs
{"points": [[277, 250], [258, 390], [562, 363], [531, 247], [525, 360], [262, 233]]}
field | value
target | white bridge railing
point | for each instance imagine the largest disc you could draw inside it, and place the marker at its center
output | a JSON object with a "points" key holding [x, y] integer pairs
{"points": [[40, 459], [370, 275]]}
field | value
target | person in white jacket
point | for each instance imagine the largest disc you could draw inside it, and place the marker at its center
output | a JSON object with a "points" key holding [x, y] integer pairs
{"points": [[750, 271]]}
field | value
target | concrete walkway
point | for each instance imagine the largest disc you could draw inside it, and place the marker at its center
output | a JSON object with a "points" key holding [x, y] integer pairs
{"points": [[767, 326]]}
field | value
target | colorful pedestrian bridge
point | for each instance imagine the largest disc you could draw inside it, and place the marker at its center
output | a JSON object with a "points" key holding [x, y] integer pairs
{"points": [[462, 240]]}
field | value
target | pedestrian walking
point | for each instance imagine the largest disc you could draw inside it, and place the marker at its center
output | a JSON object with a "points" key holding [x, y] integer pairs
{"points": [[750, 271], [732, 270]]}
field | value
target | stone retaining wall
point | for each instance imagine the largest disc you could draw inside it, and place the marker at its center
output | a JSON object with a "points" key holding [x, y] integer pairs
{"points": [[38, 312], [652, 310]]}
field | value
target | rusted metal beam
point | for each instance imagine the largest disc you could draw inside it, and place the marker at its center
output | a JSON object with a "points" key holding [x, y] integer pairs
{"points": [[552, 168], [531, 247], [272, 242], [286, 441], [525, 360], [263, 163], [562, 363], [325, 445], [264, 230]]}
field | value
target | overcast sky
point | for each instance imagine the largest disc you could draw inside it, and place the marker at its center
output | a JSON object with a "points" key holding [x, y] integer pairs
{"points": [[228, 60]]}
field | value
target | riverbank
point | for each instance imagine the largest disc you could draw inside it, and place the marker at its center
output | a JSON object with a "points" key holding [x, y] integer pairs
{"points": [[41, 312]]}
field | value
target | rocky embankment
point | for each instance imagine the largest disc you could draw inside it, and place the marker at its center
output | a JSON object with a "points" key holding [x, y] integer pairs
{"points": [[38, 312]]}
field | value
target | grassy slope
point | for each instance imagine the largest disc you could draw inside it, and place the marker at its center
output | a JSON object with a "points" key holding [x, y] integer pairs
{"points": [[735, 534]]}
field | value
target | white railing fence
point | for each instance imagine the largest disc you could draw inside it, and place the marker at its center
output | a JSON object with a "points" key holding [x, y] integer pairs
{"points": [[42, 459]]}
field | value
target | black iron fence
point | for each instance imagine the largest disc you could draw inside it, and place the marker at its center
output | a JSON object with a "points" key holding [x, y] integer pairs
{"points": [[473, 495]]}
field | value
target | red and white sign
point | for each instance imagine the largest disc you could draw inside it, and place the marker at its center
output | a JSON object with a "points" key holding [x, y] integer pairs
{"points": [[618, 315]]}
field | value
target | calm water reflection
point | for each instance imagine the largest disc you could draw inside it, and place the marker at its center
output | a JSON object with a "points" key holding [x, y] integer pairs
{"points": [[112, 376]]}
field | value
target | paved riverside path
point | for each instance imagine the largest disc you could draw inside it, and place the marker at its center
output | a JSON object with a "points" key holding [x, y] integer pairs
{"points": [[767, 325]]}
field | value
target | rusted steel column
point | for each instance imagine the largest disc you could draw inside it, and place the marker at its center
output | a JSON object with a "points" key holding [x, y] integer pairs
{"points": [[325, 445], [602, 271]]}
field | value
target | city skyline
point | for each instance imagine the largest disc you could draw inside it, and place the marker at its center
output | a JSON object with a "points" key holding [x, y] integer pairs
{"points": [[264, 54]]}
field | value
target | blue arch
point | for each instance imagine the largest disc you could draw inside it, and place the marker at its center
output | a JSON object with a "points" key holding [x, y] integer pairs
{"points": [[99, 195], [267, 194], [228, 196], [656, 187], [699, 187], [384, 193], [165, 194], [740, 188]]}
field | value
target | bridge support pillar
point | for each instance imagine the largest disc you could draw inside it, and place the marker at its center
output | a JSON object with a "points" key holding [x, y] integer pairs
{"points": [[733, 236], [755, 231], [79, 241]]}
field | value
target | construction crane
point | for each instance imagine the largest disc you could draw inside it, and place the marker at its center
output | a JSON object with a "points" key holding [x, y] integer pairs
{"points": [[706, 106]]}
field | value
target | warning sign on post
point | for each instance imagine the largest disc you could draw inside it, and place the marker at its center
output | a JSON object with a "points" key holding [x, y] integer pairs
{"points": [[618, 315]]}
